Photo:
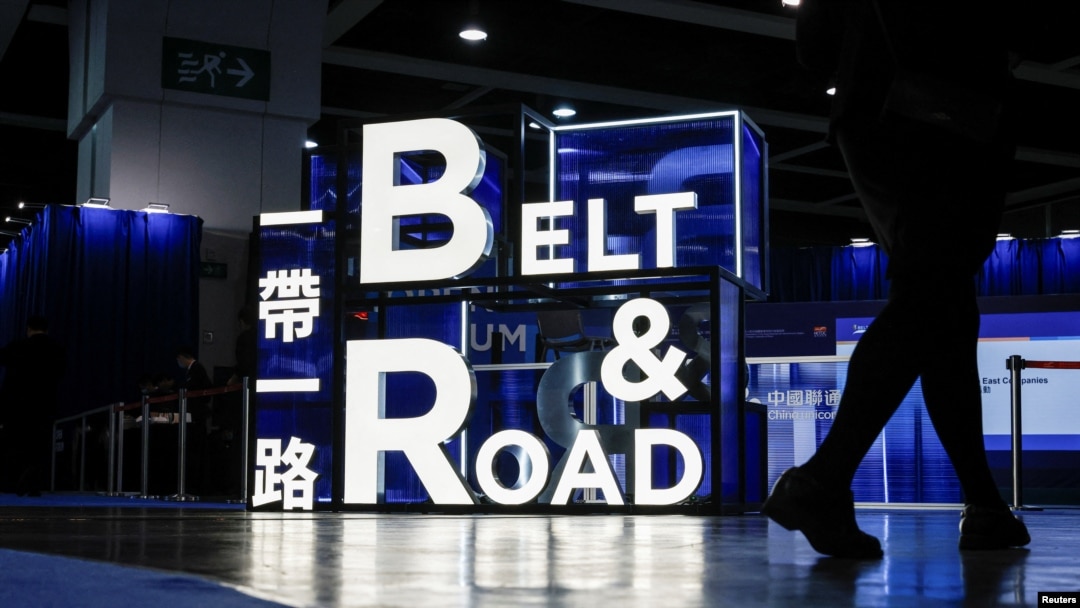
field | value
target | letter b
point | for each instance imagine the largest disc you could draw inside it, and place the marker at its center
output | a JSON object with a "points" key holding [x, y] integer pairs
{"points": [[385, 200]]}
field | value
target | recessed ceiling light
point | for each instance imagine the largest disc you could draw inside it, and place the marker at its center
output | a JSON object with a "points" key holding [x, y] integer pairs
{"points": [[564, 112], [309, 144], [473, 33]]}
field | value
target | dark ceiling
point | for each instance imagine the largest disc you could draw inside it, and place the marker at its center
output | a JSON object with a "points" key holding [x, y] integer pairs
{"points": [[611, 59]]}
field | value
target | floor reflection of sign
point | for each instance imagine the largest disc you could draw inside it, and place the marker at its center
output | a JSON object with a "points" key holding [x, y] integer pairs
{"points": [[217, 69]]}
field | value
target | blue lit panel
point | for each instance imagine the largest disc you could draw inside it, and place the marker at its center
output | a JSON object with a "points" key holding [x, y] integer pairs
{"points": [[907, 463], [292, 354], [718, 157]]}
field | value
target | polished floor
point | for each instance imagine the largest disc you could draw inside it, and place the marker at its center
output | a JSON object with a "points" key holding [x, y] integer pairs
{"points": [[354, 559]]}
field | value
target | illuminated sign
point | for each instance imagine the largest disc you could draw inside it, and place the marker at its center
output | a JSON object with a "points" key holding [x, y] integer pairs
{"points": [[369, 433], [384, 260], [635, 422]]}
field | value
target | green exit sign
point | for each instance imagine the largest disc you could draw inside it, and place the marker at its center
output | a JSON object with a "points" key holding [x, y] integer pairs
{"points": [[213, 270], [215, 69]]}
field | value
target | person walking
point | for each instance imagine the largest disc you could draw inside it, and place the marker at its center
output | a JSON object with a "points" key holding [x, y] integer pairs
{"points": [[921, 118]]}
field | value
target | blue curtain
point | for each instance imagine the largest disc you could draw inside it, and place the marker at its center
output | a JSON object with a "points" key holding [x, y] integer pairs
{"points": [[120, 290], [831, 274]]}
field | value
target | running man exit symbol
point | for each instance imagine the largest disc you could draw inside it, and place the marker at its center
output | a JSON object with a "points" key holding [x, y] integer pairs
{"points": [[215, 69]]}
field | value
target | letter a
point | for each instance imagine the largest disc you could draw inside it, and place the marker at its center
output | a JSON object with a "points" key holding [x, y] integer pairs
{"points": [[385, 200]]}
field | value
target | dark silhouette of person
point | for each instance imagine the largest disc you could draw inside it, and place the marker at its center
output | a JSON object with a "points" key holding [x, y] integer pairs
{"points": [[246, 348], [228, 417], [196, 378], [921, 118], [199, 407], [28, 402]]}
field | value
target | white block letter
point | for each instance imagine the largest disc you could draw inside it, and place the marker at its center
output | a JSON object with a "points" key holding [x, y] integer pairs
{"points": [[644, 440], [664, 206], [368, 433], [531, 237], [598, 256], [587, 448], [533, 467], [385, 200]]}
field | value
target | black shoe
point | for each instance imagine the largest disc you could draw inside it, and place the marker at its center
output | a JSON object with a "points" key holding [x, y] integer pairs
{"points": [[987, 528], [826, 519]]}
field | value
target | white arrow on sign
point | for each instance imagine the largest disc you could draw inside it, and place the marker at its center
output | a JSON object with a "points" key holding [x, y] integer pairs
{"points": [[246, 72]]}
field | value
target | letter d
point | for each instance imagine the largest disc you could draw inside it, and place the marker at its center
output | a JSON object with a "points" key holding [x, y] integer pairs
{"points": [[385, 200]]}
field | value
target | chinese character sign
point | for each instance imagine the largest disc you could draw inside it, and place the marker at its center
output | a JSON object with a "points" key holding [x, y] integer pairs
{"points": [[294, 383], [295, 486]]}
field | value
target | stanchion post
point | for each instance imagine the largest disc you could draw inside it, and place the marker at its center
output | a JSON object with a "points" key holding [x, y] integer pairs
{"points": [[145, 460], [245, 404], [82, 454], [244, 411], [110, 483], [1015, 363], [120, 453], [52, 458], [181, 452]]}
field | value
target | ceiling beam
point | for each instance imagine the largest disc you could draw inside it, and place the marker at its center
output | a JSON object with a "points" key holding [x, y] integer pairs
{"points": [[700, 13], [586, 91], [344, 16], [11, 15]]}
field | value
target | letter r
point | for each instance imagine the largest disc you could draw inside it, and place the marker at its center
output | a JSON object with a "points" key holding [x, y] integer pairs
{"points": [[368, 433]]}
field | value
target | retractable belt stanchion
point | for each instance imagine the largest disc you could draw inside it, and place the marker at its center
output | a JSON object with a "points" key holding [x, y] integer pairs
{"points": [[245, 404], [52, 458], [120, 452], [181, 454], [1015, 364], [145, 460], [110, 483]]}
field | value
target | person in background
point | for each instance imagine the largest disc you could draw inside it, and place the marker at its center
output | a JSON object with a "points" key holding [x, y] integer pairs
{"points": [[196, 378], [28, 402], [921, 118]]}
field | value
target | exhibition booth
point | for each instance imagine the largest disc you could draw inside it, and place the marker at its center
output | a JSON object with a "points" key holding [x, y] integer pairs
{"points": [[516, 315]]}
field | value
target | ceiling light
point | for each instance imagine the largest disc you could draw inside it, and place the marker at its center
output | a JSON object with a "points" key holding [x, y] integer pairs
{"points": [[789, 2], [473, 33], [102, 203], [564, 111], [830, 91], [309, 144]]}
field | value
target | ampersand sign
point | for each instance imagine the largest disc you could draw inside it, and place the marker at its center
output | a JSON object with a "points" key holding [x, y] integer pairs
{"points": [[660, 372]]}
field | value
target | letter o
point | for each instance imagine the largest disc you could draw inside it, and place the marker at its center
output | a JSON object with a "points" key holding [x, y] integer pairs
{"points": [[533, 465]]}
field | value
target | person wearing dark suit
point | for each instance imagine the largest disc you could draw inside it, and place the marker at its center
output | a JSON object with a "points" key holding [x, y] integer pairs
{"points": [[921, 117], [28, 402], [196, 378]]}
